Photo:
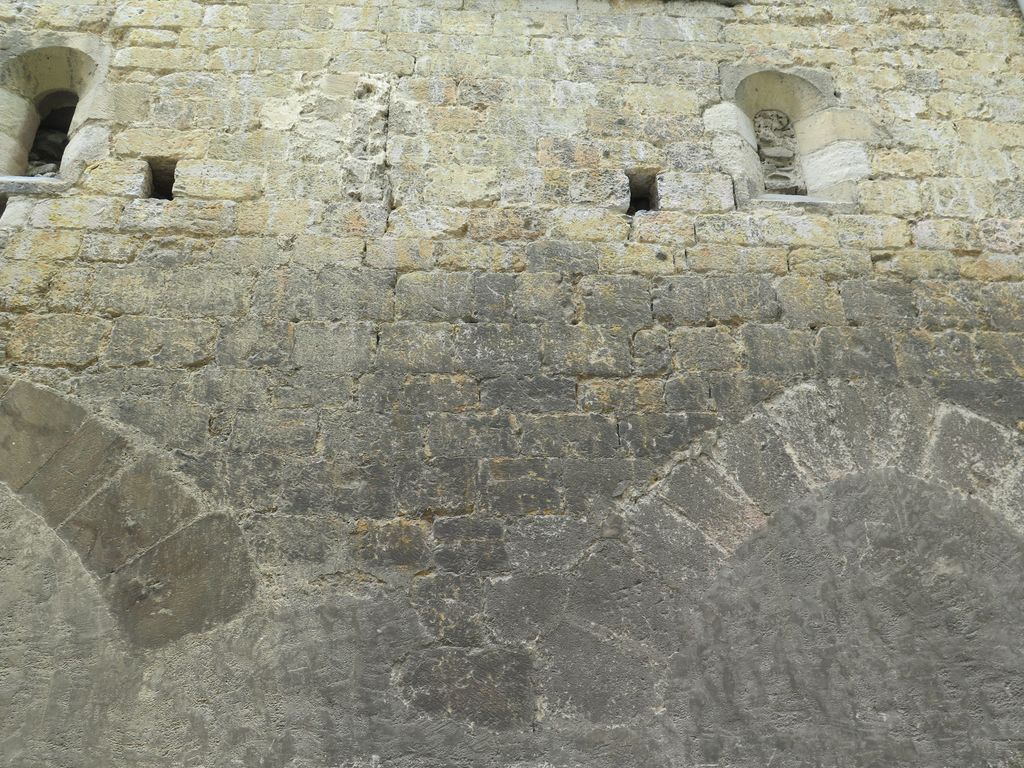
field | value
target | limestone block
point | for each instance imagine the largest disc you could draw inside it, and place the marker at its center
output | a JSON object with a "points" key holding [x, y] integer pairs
{"points": [[897, 197], [694, 192], [809, 302], [855, 353], [570, 434], [496, 694], [669, 228], [959, 198], [887, 303], [23, 284], [339, 347], [392, 543], [871, 231], [599, 188], [76, 213], [946, 234], [17, 118], [201, 217], [1003, 235], [993, 266], [635, 258], [117, 178], [198, 578], [587, 350], [41, 246], [88, 144], [206, 179], [818, 130], [661, 98], [154, 13], [680, 300], [161, 142], [615, 300], [739, 159], [159, 341], [166, 60], [79, 469], [730, 258], [462, 186], [836, 163], [35, 424], [704, 349], [63, 339], [726, 117], [139, 509], [588, 224], [416, 347], [918, 264]]}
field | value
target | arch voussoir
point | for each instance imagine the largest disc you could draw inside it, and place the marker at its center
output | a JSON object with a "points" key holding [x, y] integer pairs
{"points": [[816, 433], [168, 563]]}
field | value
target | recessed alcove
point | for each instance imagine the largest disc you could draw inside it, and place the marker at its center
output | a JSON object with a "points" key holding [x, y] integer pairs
{"points": [[784, 137], [56, 113], [44, 99]]}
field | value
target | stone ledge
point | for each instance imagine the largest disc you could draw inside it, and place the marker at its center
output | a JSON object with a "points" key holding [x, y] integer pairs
{"points": [[33, 185]]}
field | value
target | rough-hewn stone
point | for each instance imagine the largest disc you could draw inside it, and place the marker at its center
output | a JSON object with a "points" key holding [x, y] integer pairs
{"points": [[394, 440]]}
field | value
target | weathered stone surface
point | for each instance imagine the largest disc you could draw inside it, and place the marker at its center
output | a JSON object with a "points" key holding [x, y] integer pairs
{"points": [[34, 425], [189, 582], [873, 550], [79, 469], [486, 437], [489, 687], [141, 507]]}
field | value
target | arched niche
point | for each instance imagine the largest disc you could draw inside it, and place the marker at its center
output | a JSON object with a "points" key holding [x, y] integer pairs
{"points": [[38, 86], [820, 144]]}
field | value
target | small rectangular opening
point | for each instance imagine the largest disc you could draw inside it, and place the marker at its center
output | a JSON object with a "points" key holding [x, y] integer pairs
{"points": [[56, 113], [643, 190], [3, 205], [161, 171]]}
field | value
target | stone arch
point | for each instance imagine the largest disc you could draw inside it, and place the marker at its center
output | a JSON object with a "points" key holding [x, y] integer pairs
{"points": [[844, 533], [27, 83], [730, 484], [830, 142], [167, 563]]}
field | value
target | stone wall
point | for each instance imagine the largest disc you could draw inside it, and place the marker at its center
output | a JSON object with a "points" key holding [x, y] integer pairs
{"points": [[393, 440]]}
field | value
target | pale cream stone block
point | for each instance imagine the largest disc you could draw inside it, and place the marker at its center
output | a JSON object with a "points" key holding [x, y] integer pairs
{"points": [[831, 125], [697, 192], [837, 163], [726, 117]]}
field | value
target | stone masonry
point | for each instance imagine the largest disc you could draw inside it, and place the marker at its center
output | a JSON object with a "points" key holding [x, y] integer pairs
{"points": [[454, 384]]}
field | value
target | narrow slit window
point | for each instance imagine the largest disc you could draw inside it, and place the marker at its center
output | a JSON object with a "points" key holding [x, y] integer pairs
{"points": [[643, 191], [162, 172], [56, 112], [777, 150], [3, 205]]}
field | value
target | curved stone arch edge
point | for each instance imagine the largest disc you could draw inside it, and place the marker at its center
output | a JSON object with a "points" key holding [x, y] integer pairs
{"points": [[807, 437], [97, 109], [169, 562], [834, 141]]}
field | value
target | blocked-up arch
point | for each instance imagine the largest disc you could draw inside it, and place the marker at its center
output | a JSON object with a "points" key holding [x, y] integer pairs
{"points": [[860, 554], [167, 563], [815, 434]]}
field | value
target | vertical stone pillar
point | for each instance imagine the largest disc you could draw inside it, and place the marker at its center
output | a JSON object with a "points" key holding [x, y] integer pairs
{"points": [[18, 123]]}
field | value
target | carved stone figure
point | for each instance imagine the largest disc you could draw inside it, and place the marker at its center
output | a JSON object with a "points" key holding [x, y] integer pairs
{"points": [[776, 146]]}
